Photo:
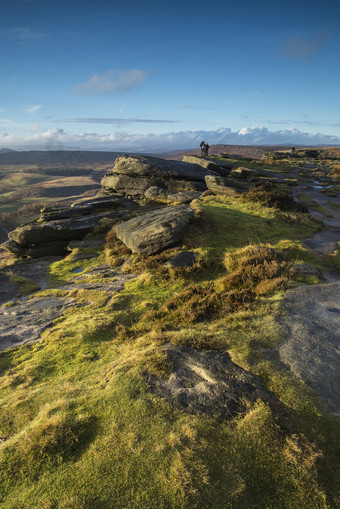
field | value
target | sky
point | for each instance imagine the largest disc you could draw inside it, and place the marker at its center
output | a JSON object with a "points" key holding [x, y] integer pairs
{"points": [[161, 75]]}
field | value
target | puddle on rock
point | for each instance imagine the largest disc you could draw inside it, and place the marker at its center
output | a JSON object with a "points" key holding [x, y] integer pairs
{"points": [[77, 271]]}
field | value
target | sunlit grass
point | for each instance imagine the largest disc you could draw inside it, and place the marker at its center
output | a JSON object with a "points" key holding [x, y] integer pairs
{"points": [[81, 430]]}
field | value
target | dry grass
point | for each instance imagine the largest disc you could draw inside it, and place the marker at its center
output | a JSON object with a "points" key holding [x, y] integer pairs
{"points": [[271, 196]]}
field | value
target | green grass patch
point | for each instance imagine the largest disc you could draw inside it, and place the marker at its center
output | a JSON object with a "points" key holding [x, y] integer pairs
{"points": [[79, 427]]}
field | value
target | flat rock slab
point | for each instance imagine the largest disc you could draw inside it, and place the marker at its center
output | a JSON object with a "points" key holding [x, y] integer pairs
{"points": [[114, 283], [34, 270], [312, 346], [325, 242], [24, 322], [157, 167], [224, 186], [222, 169], [155, 231], [207, 382], [85, 207]]}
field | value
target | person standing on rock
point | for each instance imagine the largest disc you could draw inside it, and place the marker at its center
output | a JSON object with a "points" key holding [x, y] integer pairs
{"points": [[202, 145], [206, 149]]}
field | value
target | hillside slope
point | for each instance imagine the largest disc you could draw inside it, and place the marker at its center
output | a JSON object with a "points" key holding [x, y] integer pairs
{"points": [[158, 386]]}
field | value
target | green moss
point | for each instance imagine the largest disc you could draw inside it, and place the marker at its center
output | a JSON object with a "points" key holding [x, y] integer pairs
{"points": [[24, 284], [80, 428]]}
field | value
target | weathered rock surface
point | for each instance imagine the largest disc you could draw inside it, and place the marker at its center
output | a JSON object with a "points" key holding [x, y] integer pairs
{"points": [[85, 207], [24, 322], [156, 193], [243, 173], [182, 259], [34, 270], [207, 382], [152, 232], [157, 167], [183, 196], [219, 167], [160, 193], [220, 185], [37, 240], [312, 346], [135, 175], [50, 234], [305, 270]]}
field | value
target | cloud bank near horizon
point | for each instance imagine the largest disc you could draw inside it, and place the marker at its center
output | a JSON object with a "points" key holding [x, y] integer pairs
{"points": [[57, 139]]}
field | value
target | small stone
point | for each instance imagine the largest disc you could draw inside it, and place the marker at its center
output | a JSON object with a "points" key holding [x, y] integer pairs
{"points": [[182, 259]]}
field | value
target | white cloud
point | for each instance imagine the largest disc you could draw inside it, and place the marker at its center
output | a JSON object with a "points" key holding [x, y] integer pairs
{"points": [[21, 35], [303, 48], [32, 128], [57, 139], [112, 81], [33, 108], [118, 121]]}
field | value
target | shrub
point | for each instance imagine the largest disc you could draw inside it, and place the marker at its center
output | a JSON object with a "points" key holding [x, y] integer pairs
{"points": [[268, 194], [260, 269]]}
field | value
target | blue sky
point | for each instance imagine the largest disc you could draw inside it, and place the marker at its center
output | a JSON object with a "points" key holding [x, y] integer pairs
{"points": [[164, 75]]}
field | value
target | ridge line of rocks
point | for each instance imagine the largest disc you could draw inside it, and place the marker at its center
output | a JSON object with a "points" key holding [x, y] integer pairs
{"points": [[133, 181]]}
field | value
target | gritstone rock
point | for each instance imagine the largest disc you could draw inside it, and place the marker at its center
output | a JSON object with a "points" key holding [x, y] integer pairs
{"points": [[134, 175], [219, 167], [58, 226], [157, 230], [220, 185], [207, 382]]}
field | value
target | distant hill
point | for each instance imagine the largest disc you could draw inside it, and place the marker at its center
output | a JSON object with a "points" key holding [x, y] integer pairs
{"points": [[6, 150], [253, 151], [60, 158]]}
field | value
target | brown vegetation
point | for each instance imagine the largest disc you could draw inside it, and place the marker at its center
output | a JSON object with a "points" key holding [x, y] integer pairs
{"points": [[271, 196]]}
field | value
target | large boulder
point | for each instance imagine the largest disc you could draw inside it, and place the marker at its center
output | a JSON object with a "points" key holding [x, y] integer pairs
{"points": [[34, 233], [220, 185], [219, 167], [133, 176], [58, 226], [157, 167], [157, 230]]}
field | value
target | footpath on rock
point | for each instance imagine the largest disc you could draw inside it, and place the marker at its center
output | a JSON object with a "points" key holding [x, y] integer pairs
{"points": [[311, 317]]}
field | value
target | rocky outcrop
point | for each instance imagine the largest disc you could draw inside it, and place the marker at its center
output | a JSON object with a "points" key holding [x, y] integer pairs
{"points": [[85, 207], [58, 226], [139, 176], [157, 230], [220, 185]]}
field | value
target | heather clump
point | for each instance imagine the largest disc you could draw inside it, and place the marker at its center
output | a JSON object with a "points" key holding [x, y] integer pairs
{"points": [[270, 195]]}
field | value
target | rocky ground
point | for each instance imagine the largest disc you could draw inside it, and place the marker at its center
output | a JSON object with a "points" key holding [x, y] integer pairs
{"points": [[311, 349]]}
